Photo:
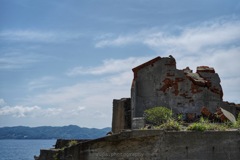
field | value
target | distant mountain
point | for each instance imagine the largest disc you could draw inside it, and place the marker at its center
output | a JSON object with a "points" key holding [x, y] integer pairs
{"points": [[47, 132]]}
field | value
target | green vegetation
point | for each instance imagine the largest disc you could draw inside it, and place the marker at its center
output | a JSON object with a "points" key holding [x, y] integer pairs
{"points": [[197, 127], [157, 115], [170, 125], [236, 124], [204, 124], [162, 118], [69, 144], [238, 120]]}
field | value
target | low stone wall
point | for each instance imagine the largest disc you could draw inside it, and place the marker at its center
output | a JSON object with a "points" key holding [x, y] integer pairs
{"points": [[45, 154], [62, 143], [157, 145]]}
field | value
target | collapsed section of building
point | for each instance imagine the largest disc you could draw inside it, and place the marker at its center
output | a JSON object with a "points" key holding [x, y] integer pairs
{"points": [[159, 83]]}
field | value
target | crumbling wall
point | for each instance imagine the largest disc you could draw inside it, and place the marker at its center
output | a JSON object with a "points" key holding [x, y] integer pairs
{"points": [[121, 118], [159, 83]]}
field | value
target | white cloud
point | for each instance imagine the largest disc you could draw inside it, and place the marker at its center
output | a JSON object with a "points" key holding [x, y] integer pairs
{"points": [[74, 111], [211, 34], [2, 102], [213, 43], [110, 66], [87, 103], [80, 94], [26, 35], [18, 111], [38, 36], [119, 41], [14, 60], [40, 82], [122, 78], [231, 90], [49, 112], [225, 62], [189, 39]]}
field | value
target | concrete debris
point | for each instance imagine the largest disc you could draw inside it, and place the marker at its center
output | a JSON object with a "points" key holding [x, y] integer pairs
{"points": [[221, 115]]}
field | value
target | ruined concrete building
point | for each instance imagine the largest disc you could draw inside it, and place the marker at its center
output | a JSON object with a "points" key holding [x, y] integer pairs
{"points": [[159, 83]]}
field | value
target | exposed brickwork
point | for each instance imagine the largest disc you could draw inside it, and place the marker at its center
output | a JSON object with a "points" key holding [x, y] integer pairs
{"points": [[195, 88], [159, 83]]}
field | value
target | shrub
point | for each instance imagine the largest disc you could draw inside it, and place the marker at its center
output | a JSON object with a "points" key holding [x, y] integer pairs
{"points": [[157, 115], [197, 126], [170, 125], [202, 125]]}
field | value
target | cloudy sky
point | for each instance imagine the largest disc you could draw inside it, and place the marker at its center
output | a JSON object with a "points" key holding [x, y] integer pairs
{"points": [[63, 62]]}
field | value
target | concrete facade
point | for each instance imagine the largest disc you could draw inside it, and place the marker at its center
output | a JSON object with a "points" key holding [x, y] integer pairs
{"points": [[156, 145], [159, 83], [121, 118]]}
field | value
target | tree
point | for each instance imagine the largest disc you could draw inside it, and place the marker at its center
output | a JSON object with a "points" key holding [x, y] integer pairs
{"points": [[157, 115]]}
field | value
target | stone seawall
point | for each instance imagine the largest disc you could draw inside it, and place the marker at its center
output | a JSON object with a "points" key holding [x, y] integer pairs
{"points": [[157, 145]]}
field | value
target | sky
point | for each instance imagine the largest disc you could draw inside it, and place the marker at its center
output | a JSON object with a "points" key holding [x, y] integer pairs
{"points": [[63, 62]]}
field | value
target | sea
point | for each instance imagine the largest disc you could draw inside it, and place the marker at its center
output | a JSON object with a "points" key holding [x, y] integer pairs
{"points": [[23, 149]]}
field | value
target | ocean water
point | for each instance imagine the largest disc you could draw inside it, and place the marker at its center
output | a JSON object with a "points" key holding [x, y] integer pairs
{"points": [[23, 149]]}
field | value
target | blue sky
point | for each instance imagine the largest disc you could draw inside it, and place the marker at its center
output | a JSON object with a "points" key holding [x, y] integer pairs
{"points": [[63, 62]]}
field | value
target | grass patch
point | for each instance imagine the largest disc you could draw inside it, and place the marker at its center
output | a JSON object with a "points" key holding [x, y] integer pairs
{"points": [[237, 123], [204, 125], [197, 127], [170, 125], [163, 118]]}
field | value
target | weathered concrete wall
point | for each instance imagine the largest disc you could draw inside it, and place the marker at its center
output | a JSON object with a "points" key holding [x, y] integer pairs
{"points": [[62, 143], [159, 83], [50, 154], [158, 145], [121, 118], [138, 123]]}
